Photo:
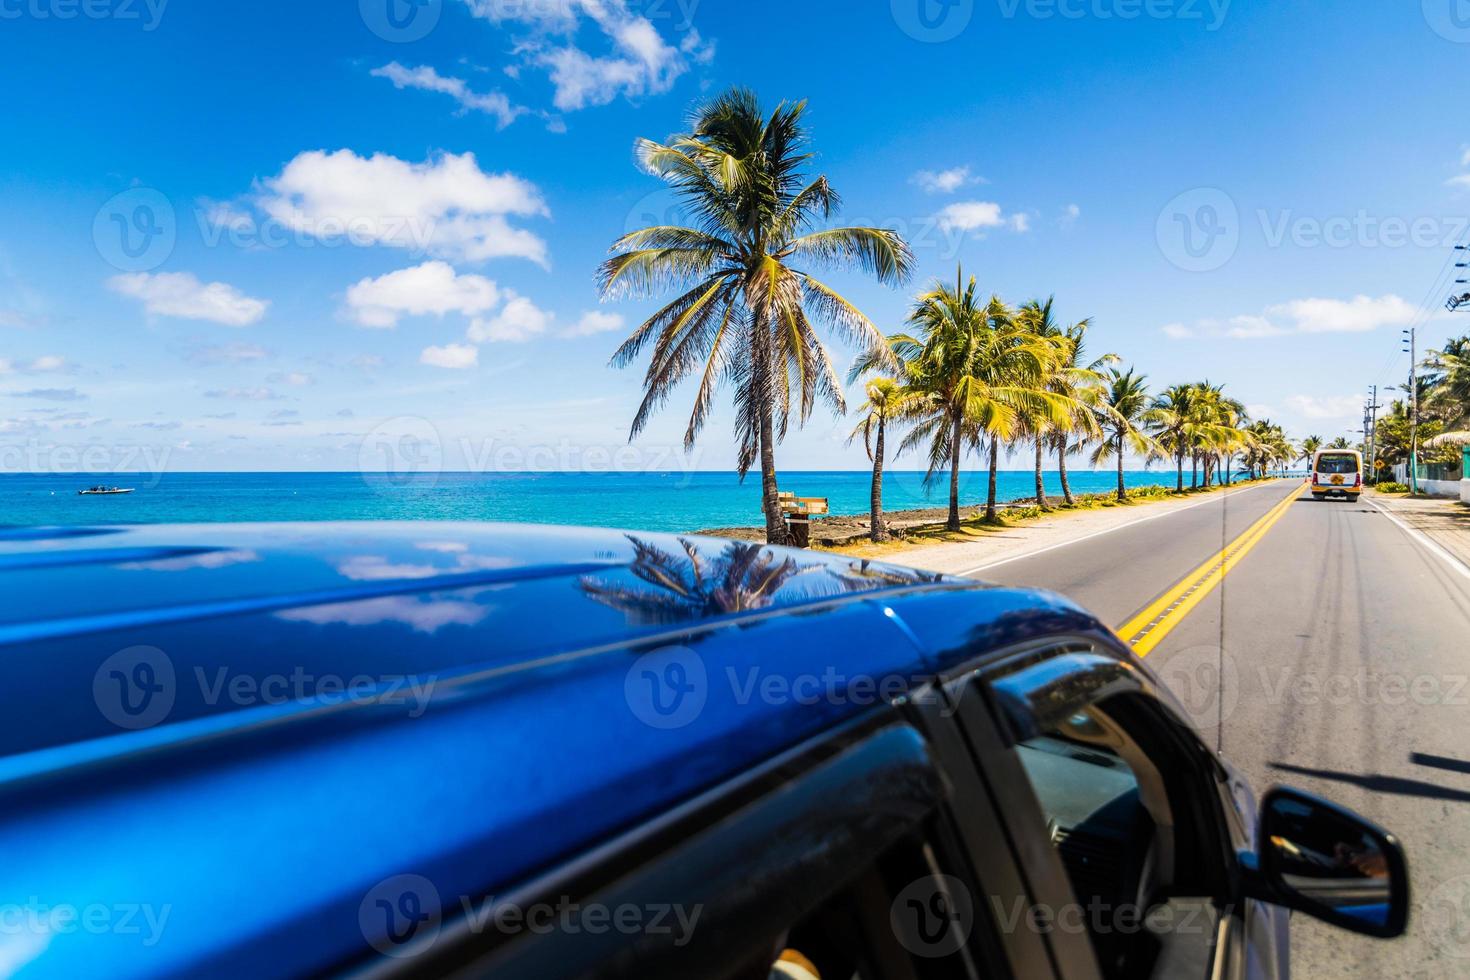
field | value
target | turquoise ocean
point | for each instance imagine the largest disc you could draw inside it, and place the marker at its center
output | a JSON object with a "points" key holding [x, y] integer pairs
{"points": [[652, 501]]}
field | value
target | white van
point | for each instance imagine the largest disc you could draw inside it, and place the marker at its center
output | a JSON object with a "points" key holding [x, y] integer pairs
{"points": [[1337, 473]]}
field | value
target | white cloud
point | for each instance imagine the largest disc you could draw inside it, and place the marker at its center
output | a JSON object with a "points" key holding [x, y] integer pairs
{"points": [[45, 364], [1330, 407], [180, 294], [451, 356], [971, 216], [594, 322], [637, 60], [1357, 315], [446, 205], [945, 181], [1069, 217], [1019, 222], [520, 320], [296, 379], [431, 288], [495, 104]]}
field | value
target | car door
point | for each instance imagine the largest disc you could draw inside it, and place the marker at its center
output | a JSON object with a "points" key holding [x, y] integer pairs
{"points": [[1118, 814]]}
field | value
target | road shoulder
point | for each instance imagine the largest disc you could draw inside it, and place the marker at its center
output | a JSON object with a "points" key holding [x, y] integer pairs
{"points": [[1444, 522], [1057, 530]]}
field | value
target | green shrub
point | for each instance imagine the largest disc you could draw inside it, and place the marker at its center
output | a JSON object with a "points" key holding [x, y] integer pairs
{"points": [[1391, 487]]}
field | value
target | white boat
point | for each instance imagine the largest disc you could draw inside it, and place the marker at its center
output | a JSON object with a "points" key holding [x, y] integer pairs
{"points": [[99, 489]]}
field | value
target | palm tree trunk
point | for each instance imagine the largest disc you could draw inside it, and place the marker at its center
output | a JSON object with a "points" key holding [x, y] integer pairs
{"points": [[1194, 471], [953, 523], [770, 503], [1040, 485], [1179, 464], [1122, 490], [994, 464], [876, 530], [1062, 468]]}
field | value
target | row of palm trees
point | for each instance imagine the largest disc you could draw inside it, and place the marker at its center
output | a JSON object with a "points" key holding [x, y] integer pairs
{"points": [[971, 374]]}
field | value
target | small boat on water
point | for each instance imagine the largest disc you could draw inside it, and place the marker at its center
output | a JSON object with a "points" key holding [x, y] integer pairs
{"points": [[101, 489]]}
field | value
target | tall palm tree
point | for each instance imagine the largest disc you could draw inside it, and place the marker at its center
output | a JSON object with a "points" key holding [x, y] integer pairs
{"points": [[885, 401], [970, 374], [1171, 425], [1309, 448], [744, 311], [1073, 378], [1449, 391], [1124, 412]]}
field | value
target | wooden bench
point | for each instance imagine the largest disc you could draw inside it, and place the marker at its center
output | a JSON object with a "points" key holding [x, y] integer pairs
{"points": [[798, 513]]}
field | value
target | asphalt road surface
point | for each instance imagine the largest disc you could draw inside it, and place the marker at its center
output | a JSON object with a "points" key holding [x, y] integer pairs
{"points": [[1333, 654]]}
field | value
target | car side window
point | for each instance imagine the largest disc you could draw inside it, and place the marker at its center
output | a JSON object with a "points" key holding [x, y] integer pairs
{"points": [[903, 916], [1130, 851]]}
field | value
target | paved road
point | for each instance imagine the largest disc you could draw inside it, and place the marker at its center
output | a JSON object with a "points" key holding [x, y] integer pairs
{"points": [[1334, 656]]}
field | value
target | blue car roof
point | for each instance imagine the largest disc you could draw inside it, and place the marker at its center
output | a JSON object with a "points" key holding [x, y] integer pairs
{"points": [[221, 738]]}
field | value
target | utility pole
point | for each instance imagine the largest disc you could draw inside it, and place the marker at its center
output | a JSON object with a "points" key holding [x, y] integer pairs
{"points": [[1413, 351], [1372, 424]]}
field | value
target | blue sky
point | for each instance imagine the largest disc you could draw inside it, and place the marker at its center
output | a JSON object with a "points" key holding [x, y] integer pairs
{"points": [[345, 229]]}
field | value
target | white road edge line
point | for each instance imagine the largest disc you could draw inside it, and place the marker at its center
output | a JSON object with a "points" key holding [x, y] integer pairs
{"points": [[1429, 543], [1110, 530]]}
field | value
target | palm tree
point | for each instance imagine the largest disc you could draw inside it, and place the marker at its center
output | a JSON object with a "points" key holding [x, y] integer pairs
{"points": [[967, 374], [1341, 442], [1449, 391], [1171, 424], [1124, 411], [1072, 379], [1309, 447], [885, 401], [744, 311]]}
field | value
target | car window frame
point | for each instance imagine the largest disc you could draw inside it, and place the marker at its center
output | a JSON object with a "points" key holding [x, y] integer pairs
{"points": [[991, 734]]}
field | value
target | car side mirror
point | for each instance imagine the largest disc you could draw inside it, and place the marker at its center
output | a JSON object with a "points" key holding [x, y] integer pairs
{"points": [[1330, 863]]}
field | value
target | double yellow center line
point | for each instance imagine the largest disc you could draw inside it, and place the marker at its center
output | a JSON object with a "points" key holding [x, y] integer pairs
{"points": [[1149, 627]]}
